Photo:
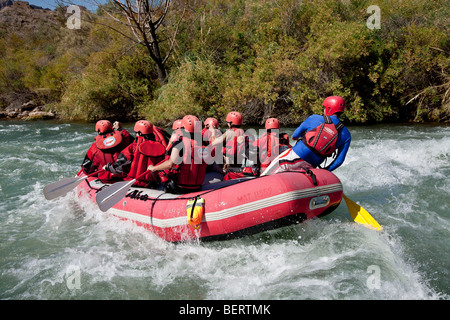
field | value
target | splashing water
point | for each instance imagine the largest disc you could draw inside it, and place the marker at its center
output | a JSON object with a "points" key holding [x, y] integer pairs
{"points": [[69, 249]]}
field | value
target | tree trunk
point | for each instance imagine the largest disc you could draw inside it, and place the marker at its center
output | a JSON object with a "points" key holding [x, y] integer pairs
{"points": [[162, 74], [143, 23], [155, 53]]}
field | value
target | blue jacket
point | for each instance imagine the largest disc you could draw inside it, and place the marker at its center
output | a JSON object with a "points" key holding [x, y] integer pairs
{"points": [[342, 144]]}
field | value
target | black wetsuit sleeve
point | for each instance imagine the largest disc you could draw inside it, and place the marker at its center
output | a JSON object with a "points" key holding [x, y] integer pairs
{"points": [[87, 165], [121, 165]]}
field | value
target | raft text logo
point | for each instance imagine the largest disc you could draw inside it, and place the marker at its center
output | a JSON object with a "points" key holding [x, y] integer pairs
{"points": [[74, 21]]}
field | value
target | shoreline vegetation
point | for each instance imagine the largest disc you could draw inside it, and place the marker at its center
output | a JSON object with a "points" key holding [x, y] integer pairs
{"points": [[262, 58]]}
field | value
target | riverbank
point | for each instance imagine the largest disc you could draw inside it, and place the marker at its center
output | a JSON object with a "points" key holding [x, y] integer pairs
{"points": [[24, 107], [29, 107]]}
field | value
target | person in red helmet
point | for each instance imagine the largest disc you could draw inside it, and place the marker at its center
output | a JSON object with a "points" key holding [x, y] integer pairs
{"points": [[234, 118], [127, 137], [212, 123], [319, 137], [185, 167], [269, 145], [106, 148], [177, 124], [177, 127], [133, 161], [234, 141]]}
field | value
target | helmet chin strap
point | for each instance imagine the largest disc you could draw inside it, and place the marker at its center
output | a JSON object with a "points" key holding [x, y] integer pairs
{"points": [[336, 114]]}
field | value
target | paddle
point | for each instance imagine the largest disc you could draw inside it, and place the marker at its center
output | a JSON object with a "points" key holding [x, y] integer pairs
{"points": [[61, 187], [114, 193], [360, 215]]}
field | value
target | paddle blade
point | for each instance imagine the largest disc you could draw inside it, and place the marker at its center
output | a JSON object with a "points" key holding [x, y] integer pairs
{"points": [[360, 215], [61, 187], [113, 194]]}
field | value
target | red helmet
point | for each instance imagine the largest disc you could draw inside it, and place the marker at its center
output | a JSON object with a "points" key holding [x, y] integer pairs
{"points": [[103, 126], [235, 118], [334, 104], [143, 126], [211, 121], [272, 123], [177, 124], [191, 124]]}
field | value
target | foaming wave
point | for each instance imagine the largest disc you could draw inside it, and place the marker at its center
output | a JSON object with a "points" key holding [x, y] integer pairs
{"points": [[383, 163], [331, 264]]}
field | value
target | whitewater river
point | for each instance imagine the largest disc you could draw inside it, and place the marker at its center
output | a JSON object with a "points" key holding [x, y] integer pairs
{"points": [[63, 250]]}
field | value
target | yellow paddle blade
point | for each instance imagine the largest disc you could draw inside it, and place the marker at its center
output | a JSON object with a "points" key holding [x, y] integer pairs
{"points": [[360, 215]]}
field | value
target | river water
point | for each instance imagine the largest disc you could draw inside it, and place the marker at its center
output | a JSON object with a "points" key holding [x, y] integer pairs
{"points": [[62, 249]]}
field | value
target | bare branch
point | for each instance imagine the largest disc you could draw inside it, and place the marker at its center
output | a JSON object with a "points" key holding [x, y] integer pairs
{"points": [[144, 17], [174, 37], [161, 18], [116, 30]]}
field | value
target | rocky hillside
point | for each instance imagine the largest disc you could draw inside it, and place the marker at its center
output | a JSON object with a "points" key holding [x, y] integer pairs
{"points": [[21, 16], [21, 19], [5, 3]]}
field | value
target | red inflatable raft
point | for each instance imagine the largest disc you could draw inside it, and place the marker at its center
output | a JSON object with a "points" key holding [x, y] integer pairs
{"points": [[229, 209]]}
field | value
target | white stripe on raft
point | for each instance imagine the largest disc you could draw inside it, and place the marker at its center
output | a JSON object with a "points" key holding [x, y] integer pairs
{"points": [[230, 212]]}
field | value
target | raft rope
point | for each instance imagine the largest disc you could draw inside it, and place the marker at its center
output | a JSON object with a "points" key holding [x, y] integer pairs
{"points": [[151, 212], [136, 193]]}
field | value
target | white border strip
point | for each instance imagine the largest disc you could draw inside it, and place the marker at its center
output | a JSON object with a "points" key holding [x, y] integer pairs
{"points": [[230, 212]]}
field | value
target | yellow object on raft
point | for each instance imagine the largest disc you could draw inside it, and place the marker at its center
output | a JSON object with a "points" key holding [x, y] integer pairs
{"points": [[194, 210]]}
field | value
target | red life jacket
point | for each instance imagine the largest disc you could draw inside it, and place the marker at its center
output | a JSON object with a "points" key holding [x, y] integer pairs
{"points": [[234, 150], [100, 158], [161, 136], [206, 135], [144, 153], [105, 149], [108, 140], [269, 148], [322, 140], [252, 171], [191, 172], [126, 137], [207, 140], [284, 141]]}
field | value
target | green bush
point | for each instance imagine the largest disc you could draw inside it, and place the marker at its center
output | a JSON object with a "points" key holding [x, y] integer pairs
{"points": [[295, 53], [262, 57], [112, 86], [194, 88]]}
